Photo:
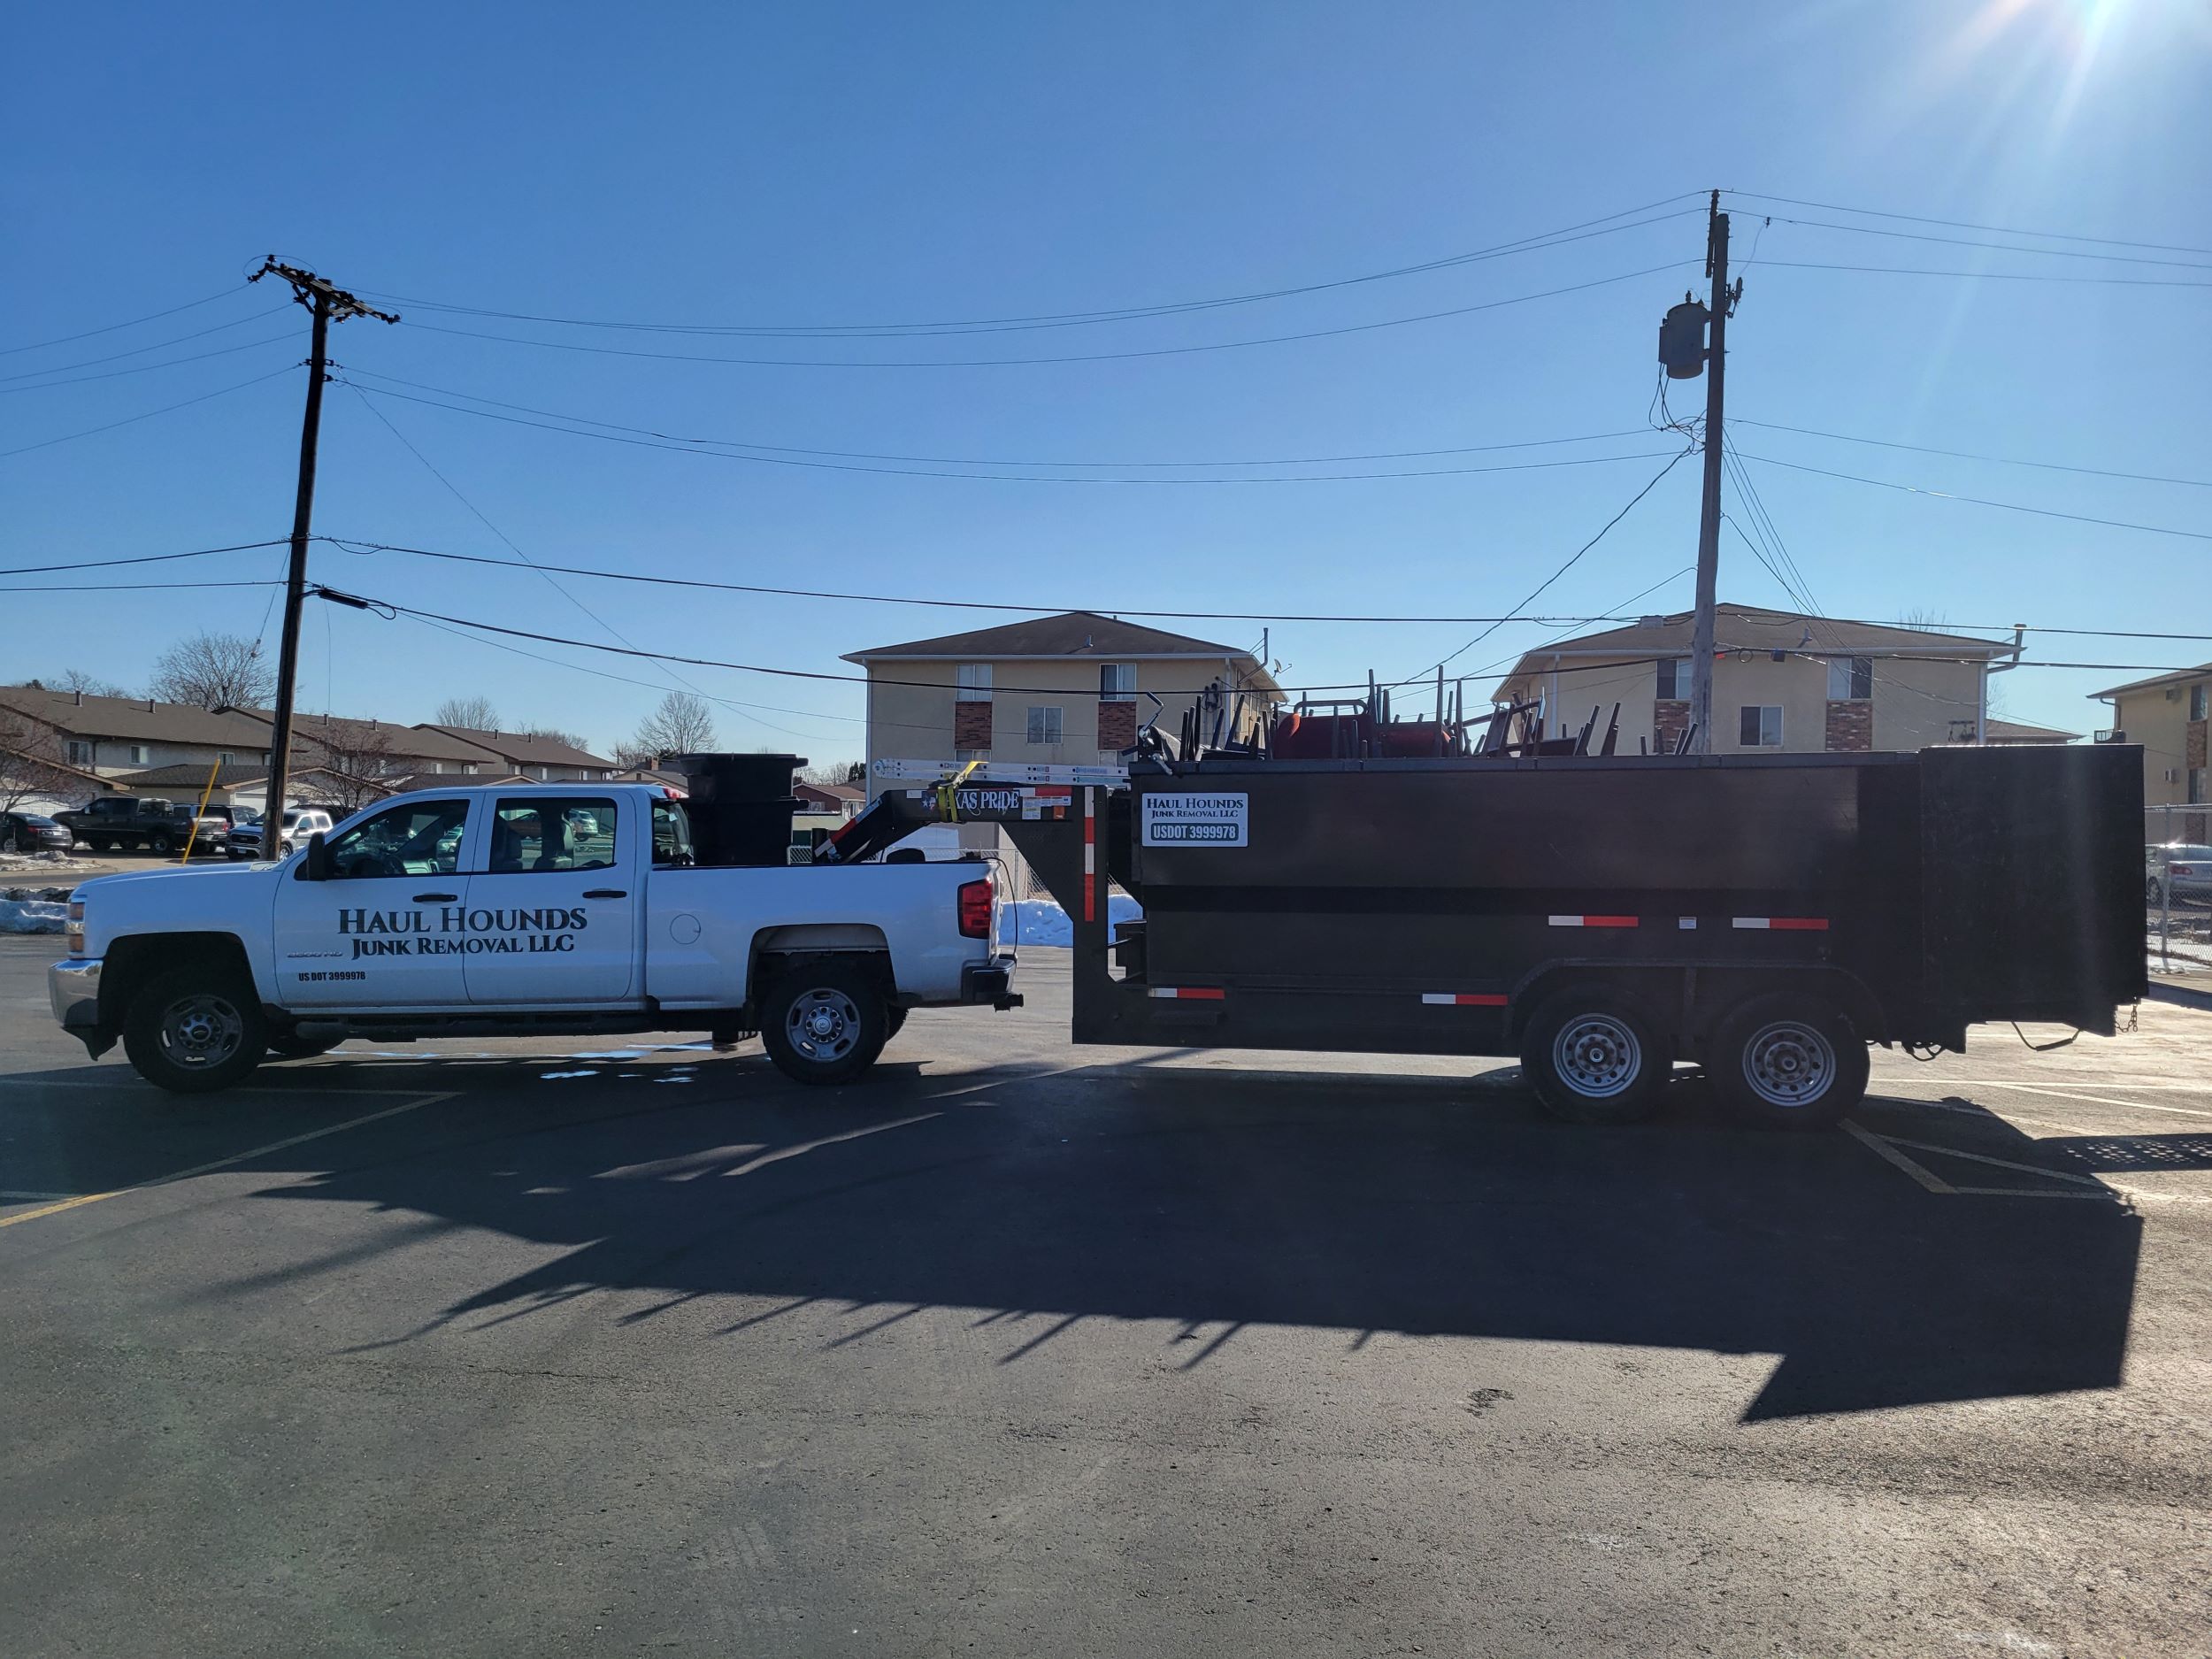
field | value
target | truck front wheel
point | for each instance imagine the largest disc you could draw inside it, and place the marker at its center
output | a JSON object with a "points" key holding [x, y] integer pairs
{"points": [[1594, 1058], [194, 1029], [824, 1023], [1788, 1061]]}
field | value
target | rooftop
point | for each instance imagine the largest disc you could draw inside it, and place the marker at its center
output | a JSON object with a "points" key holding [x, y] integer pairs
{"points": [[136, 719], [1070, 634], [522, 749], [2178, 676]]}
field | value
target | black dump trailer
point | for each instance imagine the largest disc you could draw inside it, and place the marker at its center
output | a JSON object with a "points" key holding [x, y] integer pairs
{"points": [[1602, 917]]}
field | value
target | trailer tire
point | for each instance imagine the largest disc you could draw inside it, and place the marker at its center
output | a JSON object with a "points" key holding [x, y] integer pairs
{"points": [[1595, 1056], [195, 1028], [1788, 1061], [824, 1022]]}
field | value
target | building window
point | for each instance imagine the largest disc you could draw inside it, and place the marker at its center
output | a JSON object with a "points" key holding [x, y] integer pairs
{"points": [[1850, 679], [2196, 701], [964, 755], [468, 769], [80, 753], [2196, 786], [1044, 726], [1674, 678], [140, 757], [1117, 683], [1761, 727], [974, 682], [223, 757]]}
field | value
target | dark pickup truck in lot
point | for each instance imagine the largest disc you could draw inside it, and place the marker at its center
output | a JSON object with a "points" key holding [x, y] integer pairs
{"points": [[117, 822]]}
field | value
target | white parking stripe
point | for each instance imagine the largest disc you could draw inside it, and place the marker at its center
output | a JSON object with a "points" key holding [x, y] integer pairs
{"points": [[1882, 1149]]}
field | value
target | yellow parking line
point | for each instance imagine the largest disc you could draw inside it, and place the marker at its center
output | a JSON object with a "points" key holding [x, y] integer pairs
{"points": [[223, 1164]]}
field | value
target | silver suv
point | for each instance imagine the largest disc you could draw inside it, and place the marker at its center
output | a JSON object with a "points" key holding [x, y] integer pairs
{"points": [[299, 822]]}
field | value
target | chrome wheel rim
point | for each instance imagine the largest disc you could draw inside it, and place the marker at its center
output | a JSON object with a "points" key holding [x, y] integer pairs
{"points": [[1789, 1063], [1597, 1056], [200, 1032], [823, 1026]]}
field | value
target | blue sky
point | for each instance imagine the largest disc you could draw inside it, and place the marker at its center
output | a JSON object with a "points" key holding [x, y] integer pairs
{"points": [[870, 164]]}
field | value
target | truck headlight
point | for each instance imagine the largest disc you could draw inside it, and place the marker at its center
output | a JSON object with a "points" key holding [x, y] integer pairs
{"points": [[74, 928]]}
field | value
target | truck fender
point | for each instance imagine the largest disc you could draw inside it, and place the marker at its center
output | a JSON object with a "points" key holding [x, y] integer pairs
{"points": [[773, 947], [136, 957]]}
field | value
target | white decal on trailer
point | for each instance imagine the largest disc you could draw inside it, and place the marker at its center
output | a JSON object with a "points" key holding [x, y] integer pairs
{"points": [[1195, 820]]}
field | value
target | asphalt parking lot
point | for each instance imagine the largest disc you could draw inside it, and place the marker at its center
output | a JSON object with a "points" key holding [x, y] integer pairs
{"points": [[1021, 1348]]}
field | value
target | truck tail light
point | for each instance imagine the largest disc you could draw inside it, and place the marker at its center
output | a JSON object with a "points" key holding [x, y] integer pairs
{"points": [[975, 910]]}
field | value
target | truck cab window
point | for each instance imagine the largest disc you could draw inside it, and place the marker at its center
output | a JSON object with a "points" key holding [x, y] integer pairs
{"points": [[672, 836], [422, 839], [552, 834]]}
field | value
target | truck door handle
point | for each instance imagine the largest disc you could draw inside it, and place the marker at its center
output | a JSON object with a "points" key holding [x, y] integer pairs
{"points": [[435, 898], [607, 893]]}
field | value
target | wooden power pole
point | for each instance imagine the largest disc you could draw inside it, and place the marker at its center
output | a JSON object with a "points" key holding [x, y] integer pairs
{"points": [[1702, 644], [326, 304]]}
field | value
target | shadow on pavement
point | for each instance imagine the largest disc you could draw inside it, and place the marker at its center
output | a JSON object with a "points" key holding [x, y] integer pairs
{"points": [[1418, 1204]]}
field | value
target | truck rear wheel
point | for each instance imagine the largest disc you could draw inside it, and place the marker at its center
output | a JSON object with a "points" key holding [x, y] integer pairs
{"points": [[824, 1023], [1790, 1062], [161, 844], [1594, 1058], [194, 1029]]}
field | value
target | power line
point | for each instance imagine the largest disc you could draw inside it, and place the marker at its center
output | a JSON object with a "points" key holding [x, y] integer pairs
{"points": [[954, 460], [1569, 564], [684, 446], [140, 559], [145, 368], [1956, 224], [131, 419], [1759, 553], [1526, 244], [63, 340], [1998, 247], [135, 588], [1967, 455], [139, 351], [1091, 357], [1981, 501], [1981, 276], [363, 601], [1773, 531]]}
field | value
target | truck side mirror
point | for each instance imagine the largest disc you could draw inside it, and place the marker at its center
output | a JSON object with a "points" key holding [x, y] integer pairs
{"points": [[315, 865]]}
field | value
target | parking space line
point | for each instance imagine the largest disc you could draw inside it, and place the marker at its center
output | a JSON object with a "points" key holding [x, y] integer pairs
{"points": [[136, 1087], [2002, 1163], [223, 1164], [2102, 1100], [1882, 1149]]}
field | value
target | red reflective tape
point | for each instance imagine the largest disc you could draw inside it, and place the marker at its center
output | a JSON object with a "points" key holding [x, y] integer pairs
{"points": [[1090, 840], [1463, 999], [1201, 993], [1609, 921], [1798, 923]]}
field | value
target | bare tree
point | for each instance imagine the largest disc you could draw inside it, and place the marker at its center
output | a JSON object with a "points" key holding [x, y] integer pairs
{"points": [[91, 685], [1921, 617], [835, 772], [474, 712], [356, 757], [214, 670], [553, 734], [634, 756], [31, 766], [683, 724]]}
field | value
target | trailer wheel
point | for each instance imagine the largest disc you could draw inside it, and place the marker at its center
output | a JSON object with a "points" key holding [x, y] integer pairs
{"points": [[1788, 1061], [824, 1023], [195, 1029], [1594, 1058]]}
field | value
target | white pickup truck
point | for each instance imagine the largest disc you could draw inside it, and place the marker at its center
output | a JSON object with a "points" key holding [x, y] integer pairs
{"points": [[546, 908]]}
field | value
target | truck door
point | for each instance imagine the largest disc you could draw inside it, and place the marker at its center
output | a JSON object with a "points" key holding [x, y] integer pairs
{"points": [[386, 929], [555, 901]]}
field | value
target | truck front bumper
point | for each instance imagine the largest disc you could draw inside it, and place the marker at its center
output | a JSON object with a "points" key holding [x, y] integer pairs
{"points": [[72, 990], [991, 982]]}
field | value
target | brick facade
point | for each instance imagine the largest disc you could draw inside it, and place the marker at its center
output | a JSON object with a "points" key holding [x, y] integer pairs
{"points": [[1850, 728], [1669, 719], [1117, 724], [2193, 744], [971, 726]]}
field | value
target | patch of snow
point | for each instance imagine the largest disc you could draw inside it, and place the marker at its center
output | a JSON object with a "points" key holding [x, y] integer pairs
{"points": [[31, 916], [548, 1077], [1042, 922]]}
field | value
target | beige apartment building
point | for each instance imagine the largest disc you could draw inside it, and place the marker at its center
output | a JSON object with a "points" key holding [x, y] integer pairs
{"points": [[1782, 683], [1071, 689], [2166, 714]]}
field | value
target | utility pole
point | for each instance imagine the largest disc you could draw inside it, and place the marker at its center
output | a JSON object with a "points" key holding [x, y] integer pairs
{"points": [[327, 304], [1708, 521]]}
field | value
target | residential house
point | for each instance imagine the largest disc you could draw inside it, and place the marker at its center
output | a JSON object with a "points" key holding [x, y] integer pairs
{"points": [[844, 799], [1071, 689], [540, 759], [2166, 714], [1782, 683], [367, 754], [110, 735]]}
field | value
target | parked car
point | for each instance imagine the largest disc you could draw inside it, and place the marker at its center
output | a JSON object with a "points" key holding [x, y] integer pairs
{"points": [[246, 840], [32, 832], [2178, 872], [148, 822]]}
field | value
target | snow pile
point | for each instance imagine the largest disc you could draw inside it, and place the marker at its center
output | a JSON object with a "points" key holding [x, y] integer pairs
{"points": [[40, 864], [1042, 922], [31, 916]]}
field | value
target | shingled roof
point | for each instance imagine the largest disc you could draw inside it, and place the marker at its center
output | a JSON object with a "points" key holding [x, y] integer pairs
{"points": [[1080, 633]]}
